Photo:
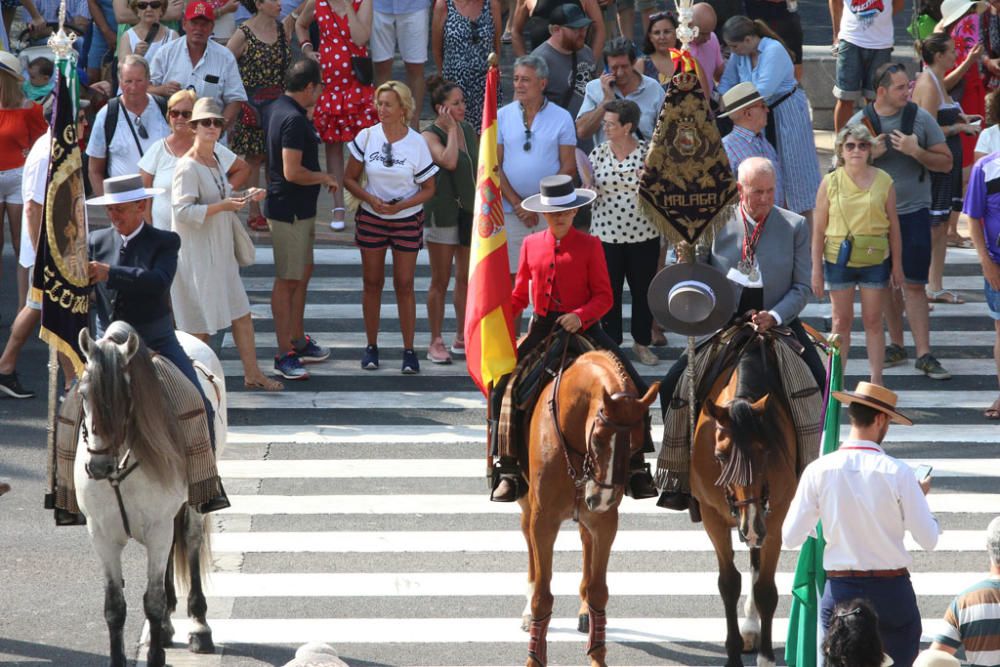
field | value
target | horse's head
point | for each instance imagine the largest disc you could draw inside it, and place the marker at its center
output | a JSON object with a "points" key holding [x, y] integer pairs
{"points": [[104, 387], [616, 431], [741, 448]]}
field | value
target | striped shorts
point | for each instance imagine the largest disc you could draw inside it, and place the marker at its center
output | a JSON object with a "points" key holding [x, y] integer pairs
{"points": [[372, 231]]}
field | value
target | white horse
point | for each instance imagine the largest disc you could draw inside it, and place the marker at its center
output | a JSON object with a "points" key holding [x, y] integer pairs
{"points": [[130, 475]]}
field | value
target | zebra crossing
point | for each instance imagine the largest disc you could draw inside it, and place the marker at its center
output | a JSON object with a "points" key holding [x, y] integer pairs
{"points": [[360, 515]]}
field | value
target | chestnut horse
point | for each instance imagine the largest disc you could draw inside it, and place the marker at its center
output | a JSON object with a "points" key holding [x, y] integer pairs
{"points": [[584, 428], [743, 472]]}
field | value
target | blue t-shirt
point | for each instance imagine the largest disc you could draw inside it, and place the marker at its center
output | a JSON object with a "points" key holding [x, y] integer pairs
{"points": [[982, 200], [551, 128]]}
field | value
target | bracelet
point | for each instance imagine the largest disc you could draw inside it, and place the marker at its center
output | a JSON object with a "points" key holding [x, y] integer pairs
{"points": [[303, 46], [295, 17]]}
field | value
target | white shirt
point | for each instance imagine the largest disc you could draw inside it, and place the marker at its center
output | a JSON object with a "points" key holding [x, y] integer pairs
{"points": [[866, 500], [123, 153], [33, 181], [173, 63], [867, 23], [989, 140], [126, 239], [410, 166]]}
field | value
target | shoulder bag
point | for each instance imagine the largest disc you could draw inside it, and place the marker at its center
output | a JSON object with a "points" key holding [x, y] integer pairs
{"points": [[243, 246]]}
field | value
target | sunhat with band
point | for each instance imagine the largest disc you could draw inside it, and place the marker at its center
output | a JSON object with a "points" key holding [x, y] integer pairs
{"points": [[122, 190], [739, 97], [558, 194], [11, 65], [953, 10], [205, 107], [877, 397]]}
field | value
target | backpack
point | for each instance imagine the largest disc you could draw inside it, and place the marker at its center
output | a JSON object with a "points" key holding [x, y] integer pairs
{"points": [[111, 123], [906, 123]]}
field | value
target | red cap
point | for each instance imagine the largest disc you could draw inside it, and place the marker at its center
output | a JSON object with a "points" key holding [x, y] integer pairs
{"points": [[199, 9]]}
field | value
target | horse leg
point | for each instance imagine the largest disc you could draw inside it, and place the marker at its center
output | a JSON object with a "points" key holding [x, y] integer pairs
{"points": [[543, 531], [750, 630], [530, 586], [766, 596], [583, 616], [167, 634], [110, 553], [602, 530], [729, 580], [154, 601], [200, 637]]}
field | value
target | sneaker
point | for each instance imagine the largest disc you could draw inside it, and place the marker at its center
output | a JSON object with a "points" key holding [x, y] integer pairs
{"points": [[894, 355], [645, 355], [335, 224], [369, 362], [9, 385], [437, 354], [410, 364], [931, 367], [310, 353], [290, 367], [458, 346]]}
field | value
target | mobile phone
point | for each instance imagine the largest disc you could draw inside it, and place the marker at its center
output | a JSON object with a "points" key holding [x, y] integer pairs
{"points": [[211, 78], [394, 200], [923, 471]]}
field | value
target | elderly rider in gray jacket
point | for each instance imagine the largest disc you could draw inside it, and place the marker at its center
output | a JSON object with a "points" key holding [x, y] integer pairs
{"points": [[764, 250]]}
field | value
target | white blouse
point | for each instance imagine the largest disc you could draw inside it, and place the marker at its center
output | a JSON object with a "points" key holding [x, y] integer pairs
{"points": [[616, 214]]}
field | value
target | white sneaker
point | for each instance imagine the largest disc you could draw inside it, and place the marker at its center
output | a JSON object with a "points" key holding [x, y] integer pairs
{"points": [[338, 225]]}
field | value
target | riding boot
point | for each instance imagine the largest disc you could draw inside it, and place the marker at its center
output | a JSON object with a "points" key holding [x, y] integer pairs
{"points": [[640, 482], [694, 509], [67, 518], [220, 502], [673, 496], [507, 483]]}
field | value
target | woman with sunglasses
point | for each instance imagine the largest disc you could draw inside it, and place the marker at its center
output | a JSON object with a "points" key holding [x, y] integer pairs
{"points": [[400, 171], [157, 166], [147, 36], [856, 243], [662, 57], [207, 293], [463, 33]]}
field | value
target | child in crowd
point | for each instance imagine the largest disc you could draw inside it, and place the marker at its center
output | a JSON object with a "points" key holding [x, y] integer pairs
{"points": [[38, 85]]}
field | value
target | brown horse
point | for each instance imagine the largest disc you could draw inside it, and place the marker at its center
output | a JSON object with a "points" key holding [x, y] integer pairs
{"points": [[584, 428], [743, 472]]}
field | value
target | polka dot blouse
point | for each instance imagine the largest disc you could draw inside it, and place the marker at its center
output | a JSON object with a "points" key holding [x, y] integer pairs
{"points": [[616, 214]]}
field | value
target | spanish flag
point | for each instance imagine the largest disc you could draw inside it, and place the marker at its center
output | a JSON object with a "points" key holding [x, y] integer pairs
{"points": [[489, 322]]}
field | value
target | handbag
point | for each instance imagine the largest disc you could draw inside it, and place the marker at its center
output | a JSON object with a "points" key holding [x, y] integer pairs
{"points": [[363, 69], [243, 246], [860, 251]]}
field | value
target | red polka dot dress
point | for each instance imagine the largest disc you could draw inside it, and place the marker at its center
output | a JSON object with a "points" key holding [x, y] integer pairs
{"points": [[345, 106]]}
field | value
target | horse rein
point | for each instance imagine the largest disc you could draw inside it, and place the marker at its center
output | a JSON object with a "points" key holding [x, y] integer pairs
{"points": [[122, 470]]}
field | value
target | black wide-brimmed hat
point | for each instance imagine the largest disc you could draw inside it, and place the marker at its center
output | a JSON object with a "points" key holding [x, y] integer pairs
{"points": [[691, 299], [558, 194]]}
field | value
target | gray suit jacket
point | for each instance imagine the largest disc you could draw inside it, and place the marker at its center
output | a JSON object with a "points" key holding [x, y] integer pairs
{"points": [[783, 256]]}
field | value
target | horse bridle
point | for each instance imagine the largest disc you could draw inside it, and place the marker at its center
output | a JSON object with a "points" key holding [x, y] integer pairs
{"points": [[122, 470]]}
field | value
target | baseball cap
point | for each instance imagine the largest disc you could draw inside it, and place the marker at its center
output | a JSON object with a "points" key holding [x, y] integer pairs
{"points": [[199, 9], [569, 15]]}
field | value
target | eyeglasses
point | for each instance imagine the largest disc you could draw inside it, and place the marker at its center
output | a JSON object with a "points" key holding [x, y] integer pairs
{"points": [[210, 122], [889, 71], [155, 4], [860, 146], [659, 16], [174, 113], [474, 27], [527, 140], [387, 154], [140, 128]]}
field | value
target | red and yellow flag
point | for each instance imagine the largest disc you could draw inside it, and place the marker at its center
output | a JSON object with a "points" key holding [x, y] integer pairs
{"points": [[489, 322]]}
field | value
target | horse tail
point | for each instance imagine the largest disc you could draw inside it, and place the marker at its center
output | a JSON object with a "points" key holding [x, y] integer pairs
{"points": [[191, 530]]}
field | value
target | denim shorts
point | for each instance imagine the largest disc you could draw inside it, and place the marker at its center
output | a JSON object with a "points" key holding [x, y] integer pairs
{"points": [[846, 277], [855, 67], [992, 299], [915, 228]]}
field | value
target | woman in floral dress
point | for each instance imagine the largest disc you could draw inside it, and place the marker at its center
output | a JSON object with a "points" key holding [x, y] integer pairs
{"points": [[262, 51], [346, 105]]}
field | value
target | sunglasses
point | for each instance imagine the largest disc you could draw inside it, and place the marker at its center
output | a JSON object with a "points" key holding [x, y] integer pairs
{"points": [[174, 113], [140, 128], [659, 16], [474, 26], [155, 4], [889, 71], [527, 140], [210, 122], [387, 154], [860, 146]]}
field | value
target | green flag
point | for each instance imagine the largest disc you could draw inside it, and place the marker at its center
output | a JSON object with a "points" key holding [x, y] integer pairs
{"points": [[810, 578]]}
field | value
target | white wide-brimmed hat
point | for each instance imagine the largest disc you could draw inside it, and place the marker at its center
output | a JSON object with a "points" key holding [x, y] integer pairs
{"points": [[953, 10], [123, 189], [11, 65], [205, 107], [558, 194]]}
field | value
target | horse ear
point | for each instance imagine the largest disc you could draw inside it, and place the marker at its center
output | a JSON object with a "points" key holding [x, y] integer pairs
{"points": [[650, 396], [760, 406], [85, 342], [718, 413], [605, 396], [131, 346]]}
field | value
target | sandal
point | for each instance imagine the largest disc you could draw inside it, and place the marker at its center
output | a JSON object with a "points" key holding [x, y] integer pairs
{"points": [[265, 383], [959, 241], [945, 296], [338, 225], [258, 223], [993, 412]]}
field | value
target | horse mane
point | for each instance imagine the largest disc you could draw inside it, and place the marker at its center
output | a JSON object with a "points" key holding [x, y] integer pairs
{"points": [[150, 426], [619, 369], [757, 375]]}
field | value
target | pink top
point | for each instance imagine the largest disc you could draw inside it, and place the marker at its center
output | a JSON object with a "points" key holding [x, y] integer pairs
{"points": [[709, 57]]}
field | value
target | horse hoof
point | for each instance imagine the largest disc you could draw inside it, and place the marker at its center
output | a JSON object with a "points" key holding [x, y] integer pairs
{"points": [[167, 634], [201, 642], [156, 658], [526, 622], [583, 624], [750, 642]]}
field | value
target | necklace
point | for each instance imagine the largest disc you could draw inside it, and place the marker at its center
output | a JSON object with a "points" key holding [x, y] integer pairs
{"points": [[747, 264], [220, 182]]}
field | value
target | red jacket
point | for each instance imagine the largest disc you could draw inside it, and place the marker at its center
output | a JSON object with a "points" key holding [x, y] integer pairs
{"points": [[576, 265]]}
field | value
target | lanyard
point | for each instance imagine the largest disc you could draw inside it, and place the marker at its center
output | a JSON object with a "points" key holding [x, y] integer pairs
{"points": [[866, 449], [750, 238]]}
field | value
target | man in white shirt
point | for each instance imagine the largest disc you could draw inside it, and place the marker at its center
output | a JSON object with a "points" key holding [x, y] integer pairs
{"points": [[198, 63], [139, 124], [867, 500]]}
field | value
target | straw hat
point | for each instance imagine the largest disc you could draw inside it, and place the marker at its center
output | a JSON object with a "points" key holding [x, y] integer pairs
{"points": [[557, 194], [691, 299], [11, 65], [877, 397], [123, 189], [953, 10], [935, 658], [205, 107], [739, 97]]}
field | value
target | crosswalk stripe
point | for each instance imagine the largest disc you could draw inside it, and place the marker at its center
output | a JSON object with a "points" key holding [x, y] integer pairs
{"points": [[503, 541], [457, 504], [475, 433], [472, 468], [468, 584]]}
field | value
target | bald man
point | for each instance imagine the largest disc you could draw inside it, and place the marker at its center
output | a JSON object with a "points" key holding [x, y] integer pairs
{"points": [[705, 48]]}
